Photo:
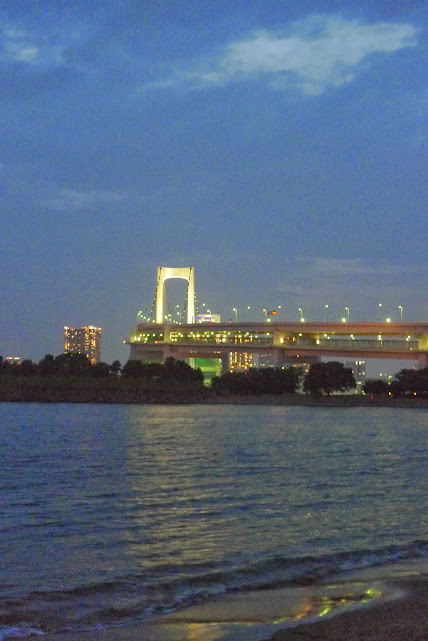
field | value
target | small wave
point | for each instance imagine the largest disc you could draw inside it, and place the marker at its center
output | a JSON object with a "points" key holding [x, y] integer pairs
{"points": [[19, 632], [145, 596], [280, 572], [276, 572]]}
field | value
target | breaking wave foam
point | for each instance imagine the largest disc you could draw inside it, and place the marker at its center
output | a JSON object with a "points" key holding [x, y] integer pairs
{"points": [[143, 597]]}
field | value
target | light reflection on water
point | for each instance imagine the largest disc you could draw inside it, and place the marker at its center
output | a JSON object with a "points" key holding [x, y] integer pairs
{"points": [[310, 482], [140, 508]]}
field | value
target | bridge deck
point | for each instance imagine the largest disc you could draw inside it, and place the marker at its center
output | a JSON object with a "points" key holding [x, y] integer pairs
{"points": [[360, 340]]}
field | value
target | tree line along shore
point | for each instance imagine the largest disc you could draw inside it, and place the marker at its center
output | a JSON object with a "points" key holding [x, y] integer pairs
{"points": [[72, 378]]}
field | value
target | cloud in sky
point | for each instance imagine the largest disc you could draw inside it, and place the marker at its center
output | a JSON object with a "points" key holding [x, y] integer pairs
{"points": [[17, 47], [320, 52], [72, 199], [316, 280], [38, 50], [340, 267], [318, 269]]}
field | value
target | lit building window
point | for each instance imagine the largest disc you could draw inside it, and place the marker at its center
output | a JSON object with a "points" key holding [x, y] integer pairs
{"points": [[83, 340]]}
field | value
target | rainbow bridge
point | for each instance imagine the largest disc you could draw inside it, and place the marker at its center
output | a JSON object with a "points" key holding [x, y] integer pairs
{"points": [[282, 343]]}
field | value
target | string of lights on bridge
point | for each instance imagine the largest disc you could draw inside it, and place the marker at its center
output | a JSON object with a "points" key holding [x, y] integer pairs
{"points": [[270, 314]]}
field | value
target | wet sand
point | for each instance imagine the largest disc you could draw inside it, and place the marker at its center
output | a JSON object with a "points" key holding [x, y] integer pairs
{"points": [[405, 619], [402, 618]]}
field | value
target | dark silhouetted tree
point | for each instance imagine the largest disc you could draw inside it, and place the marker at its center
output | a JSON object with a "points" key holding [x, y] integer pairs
{"points": [[28, 368], [134, 369], [100, 370], [73, 365], [410, 381], [180, 371], [376, 386], [257, 381], [328, 377], [47, 366], [171, 370], [115, 368]]}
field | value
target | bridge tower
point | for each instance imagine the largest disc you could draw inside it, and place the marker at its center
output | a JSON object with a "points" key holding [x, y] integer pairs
{"points": [[185, 273], [423, 345]]}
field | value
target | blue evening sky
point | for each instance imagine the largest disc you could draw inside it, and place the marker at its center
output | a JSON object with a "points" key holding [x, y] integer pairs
{"points": [[279, 147]]}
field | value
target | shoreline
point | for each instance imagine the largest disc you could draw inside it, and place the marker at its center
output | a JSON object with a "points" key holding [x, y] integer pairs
{"points": [[396, 616], [342, 402], [72, 391], [399, 619], [303, 400]]}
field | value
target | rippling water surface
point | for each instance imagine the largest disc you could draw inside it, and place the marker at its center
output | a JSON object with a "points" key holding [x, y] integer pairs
{"points": [[113, 513]]}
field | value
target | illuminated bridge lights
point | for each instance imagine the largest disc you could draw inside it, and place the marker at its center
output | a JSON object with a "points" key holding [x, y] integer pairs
{"points": [[224, 337], [219, 340], [148, 337], [265, 339]]}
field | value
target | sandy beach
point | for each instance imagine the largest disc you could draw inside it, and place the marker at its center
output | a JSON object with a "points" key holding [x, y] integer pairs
{"points": [[403, 618]]}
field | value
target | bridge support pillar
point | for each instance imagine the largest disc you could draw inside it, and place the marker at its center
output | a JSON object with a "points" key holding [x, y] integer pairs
{"points": [[225, 363], [423, 344], [423, 360], [146, 356], [167, 352], [423, 341], [278, 358]]}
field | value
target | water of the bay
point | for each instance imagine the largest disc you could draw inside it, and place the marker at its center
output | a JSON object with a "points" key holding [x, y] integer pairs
{"points": [[112, 514]]}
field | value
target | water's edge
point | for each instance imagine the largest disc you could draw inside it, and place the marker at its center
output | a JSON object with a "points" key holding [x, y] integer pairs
{"points": [[201, 397], [124, 515]]}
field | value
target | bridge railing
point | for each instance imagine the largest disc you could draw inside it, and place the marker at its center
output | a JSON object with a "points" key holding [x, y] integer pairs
{"points": [[339, 344], [256, 339], [371, 344], [222, 339]]}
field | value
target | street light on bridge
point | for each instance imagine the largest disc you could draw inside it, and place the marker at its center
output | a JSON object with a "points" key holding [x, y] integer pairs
{"points": [[347, 313], [325, 312], [379, 308], [141, 316], [236, 314], [302, 320], [400, 307]]}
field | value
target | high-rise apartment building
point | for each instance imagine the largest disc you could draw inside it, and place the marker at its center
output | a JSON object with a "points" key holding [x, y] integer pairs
{"points": [[83, 340], [359, 371], [240, 361]]}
